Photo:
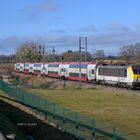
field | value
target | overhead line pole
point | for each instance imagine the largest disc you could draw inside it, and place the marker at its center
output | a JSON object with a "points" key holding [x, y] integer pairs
{"points": [[79, 62], [85, 49]]}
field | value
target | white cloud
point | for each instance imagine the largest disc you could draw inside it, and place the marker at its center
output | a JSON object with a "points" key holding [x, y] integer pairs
{"points": [[62, 41]]}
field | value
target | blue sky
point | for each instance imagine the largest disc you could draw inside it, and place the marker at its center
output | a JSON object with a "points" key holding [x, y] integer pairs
{"points": [[108, 24]]}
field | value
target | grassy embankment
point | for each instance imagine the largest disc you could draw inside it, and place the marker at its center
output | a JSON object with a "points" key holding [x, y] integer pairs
{"points": [[16, 118], [119, 110]]}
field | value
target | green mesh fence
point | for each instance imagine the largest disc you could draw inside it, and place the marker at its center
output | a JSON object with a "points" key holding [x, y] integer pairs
{"points": [[69, 121]]}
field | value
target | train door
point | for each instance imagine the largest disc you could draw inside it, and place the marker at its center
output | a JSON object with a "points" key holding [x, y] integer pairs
{"points": [[45, 69], [91, 74], [63, 72]]}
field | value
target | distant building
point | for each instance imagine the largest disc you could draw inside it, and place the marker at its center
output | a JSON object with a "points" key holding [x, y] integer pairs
{"points": [[99, 54]]}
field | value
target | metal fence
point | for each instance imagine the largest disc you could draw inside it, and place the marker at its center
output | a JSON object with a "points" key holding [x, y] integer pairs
{"points": [[69, 121]]}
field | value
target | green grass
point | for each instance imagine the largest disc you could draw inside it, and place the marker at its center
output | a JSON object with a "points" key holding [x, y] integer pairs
{"points": [[110, 109]]}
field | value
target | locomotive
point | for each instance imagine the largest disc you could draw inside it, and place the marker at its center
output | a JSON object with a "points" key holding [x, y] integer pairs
{"points": [[117, 75]]}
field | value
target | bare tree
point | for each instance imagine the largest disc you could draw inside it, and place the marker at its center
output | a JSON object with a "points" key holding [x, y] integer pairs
{"points": [[131, 53], [29, 52]]}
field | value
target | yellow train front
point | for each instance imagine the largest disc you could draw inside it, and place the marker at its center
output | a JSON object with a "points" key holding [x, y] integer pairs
{"points": [[134, 71]]}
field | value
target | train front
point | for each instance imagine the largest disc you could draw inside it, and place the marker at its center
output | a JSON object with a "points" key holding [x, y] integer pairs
{"points": [[135, 75]]}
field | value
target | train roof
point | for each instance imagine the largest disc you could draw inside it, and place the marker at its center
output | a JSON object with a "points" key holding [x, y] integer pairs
{"points": [[92, 62]]}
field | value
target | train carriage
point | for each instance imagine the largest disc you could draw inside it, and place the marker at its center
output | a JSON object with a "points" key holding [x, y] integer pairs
{"points": [[87, 71], [91, 71], [63, 70], [53, 69], [38, 68]]}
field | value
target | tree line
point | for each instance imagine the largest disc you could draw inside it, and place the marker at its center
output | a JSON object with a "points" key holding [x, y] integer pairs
{"points": [[131, 53], [35, 52]]}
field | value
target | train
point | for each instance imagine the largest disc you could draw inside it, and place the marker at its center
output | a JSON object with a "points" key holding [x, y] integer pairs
{"points": [[117, 75]]}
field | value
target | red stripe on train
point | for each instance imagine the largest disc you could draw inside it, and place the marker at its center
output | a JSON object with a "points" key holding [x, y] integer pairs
{"points": [[53, 75], [76, 78]]}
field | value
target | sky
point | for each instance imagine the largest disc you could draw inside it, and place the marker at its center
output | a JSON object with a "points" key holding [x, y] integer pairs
{"points": [[107, 24]]}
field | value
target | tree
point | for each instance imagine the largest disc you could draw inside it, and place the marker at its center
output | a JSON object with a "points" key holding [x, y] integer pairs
{"points": [[131, 52], [29, 52]]}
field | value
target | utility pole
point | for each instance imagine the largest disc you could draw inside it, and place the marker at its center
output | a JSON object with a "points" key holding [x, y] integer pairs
{"points": [[79, 62], [53, 51], [82, 47], [85, 49]]}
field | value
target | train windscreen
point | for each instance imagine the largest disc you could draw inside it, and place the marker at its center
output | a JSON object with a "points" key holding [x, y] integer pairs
{"points": [[136, 69]]}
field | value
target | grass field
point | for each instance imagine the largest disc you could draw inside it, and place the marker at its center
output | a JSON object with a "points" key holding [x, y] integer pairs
{"points": [[110, 108]]}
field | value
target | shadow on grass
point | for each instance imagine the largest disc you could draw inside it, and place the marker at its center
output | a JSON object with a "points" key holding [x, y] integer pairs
{"points": [[32, 126]]}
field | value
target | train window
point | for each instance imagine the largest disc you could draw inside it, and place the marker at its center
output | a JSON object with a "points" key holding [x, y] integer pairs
{"points": [[84, 66], [83, 75], [92, 71], [122, 72], [113, 72], [26, 65], [37, 65], [74, 74], [136, 69], [77, 74], [52, 72], [53, 65]]}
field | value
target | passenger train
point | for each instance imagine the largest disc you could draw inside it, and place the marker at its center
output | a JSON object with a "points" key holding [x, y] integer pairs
{"points": [[118, 75]]}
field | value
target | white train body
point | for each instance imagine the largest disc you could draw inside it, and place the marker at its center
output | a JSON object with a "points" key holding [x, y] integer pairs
{"points": [[38, 68], [19, 67], [91, 72], [64, 70]]}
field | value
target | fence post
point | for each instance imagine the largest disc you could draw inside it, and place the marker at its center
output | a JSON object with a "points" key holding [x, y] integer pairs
{"points": [[114, 134], [64, 118], [76, 124], [93, 130], [1, 78], [53, 110], [22, 96], [46, 108]]}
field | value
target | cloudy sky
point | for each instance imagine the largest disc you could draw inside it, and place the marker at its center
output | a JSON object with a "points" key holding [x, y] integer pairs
{"points": [[108, 24]]}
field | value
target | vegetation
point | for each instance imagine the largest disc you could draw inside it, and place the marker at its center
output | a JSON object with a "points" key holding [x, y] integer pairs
{"points": [[6, 68], [6, 59], [131, 52], [30, 51], [110, 108]]}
